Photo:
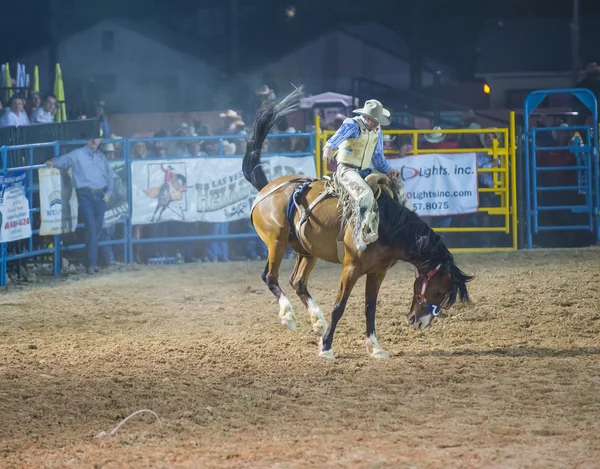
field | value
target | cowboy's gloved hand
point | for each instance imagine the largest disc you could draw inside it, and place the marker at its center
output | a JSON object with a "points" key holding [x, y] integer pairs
{"points": [[328, 155], [393, 174]]}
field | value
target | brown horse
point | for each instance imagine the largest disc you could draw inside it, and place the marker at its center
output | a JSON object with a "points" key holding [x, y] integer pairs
{"points": [[403, 236]]}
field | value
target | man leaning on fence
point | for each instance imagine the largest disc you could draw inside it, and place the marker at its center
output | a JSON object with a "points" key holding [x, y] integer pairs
{"points": [[93, 181]]}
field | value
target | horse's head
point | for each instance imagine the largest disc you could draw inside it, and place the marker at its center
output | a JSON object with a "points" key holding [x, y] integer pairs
{"points": [[437, 287]]}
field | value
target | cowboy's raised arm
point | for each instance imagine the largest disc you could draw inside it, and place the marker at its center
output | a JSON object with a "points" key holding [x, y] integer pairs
{"points": [[349, 129]]}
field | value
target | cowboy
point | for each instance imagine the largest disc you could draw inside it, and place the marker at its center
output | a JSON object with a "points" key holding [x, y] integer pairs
{"points": [[360, 142]]}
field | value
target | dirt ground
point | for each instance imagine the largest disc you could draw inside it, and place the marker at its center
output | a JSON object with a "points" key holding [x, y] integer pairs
{"points": [[511, 380]]}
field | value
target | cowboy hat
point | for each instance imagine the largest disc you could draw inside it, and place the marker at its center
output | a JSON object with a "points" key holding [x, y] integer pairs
{"points": [[230, 113], [229, 148], [388, 138], [435, 137], [374, 109], [290, 130], [108, 147], [264, 90], [339, 117]]}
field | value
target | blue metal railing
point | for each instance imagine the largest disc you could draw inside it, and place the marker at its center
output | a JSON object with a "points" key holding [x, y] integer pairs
{"points": [[586, 166], [127, 241]]}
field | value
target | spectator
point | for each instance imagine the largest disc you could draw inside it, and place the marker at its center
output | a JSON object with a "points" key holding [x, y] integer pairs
{"points": [[16, 115], [101, 114], [93, 181], [139, 150], [262, 94], [160, 146], [194, 148], [45, 114], [591, 81], [34, 102], [437, 141], [108, 233], [433, 141]]}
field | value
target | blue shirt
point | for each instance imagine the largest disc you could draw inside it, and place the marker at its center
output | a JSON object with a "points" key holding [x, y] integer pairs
{"points": [[485, 161], [90, 169], [351, 129]]}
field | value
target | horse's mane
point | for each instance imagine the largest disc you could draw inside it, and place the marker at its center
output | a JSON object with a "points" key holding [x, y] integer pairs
{"points": [[401, 227]]}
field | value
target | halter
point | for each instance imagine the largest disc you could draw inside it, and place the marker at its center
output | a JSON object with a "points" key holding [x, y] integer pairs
{"points": [[430, 308]]}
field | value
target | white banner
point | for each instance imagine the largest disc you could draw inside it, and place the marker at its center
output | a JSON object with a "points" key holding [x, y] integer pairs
{"points": [[440, 184], [15, 222], [202, 189], [58, 202]]}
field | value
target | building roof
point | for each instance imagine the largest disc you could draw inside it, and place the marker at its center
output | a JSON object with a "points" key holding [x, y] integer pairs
{"points": [[533, 45], [371, 33]]}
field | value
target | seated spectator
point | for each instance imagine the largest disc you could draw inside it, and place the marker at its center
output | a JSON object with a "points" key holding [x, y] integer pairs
{"points": [[194, 148], [16, 115], [160, 147], [139, 150], [229, 148], [45, 114], [437, 140], [33, 102]]}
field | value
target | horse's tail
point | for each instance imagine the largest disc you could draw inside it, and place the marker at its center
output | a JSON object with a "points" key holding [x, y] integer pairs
{"points": [[266, 117]]}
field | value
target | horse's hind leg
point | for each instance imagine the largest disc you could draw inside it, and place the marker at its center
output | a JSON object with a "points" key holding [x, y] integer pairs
{"points": [[270, 276], [299, 282]]}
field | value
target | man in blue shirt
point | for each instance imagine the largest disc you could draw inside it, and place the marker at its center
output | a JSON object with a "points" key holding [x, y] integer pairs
{"points": [[93, 181], [360, 142]]}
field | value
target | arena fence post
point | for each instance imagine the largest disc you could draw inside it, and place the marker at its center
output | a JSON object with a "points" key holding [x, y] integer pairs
{"points": [[128, 229], [57, 240], [3, 269]]}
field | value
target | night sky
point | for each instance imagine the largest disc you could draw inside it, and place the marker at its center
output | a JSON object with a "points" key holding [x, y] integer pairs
{"points": [[446, 30]]}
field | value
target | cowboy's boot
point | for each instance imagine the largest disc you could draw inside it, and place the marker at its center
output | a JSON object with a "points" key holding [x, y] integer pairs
{"points": [[371, 227]]}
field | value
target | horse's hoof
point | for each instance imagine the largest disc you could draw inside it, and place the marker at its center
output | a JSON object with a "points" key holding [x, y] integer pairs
{"points": [[320, 327], [380, 354], [327, 354], [289, 321]]}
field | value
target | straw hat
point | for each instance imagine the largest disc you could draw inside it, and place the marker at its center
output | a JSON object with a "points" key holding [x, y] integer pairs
{"points": [[231, 114], [436, 137], [375, 110], [228, 148], [264, 90]]}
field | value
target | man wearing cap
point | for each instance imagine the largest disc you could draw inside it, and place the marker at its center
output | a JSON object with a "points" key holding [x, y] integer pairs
{"points": [[360, 142], [93, 181]]}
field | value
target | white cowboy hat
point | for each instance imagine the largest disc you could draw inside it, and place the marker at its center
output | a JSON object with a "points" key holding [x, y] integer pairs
{"points": [[108, 147], [230, 113], [436, 137], [264, 90], [228, 148], [375, 110], [388, 138], [290, 130], [339, 117]]}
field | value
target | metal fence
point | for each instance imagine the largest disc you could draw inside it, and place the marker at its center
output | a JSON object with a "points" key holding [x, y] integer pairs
{"points": [[503, 210], [52, 249]]}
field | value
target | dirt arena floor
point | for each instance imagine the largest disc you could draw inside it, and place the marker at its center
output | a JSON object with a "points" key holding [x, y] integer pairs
{"points": [[510, 381]]}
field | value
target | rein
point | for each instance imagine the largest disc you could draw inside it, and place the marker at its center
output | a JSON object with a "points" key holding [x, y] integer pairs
{"points": [[432, 309]]}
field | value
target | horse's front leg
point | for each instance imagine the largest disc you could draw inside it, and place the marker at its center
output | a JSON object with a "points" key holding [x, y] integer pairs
{"points": [[350, 274], [373, 284]]}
